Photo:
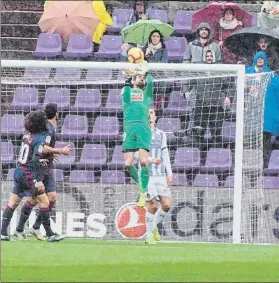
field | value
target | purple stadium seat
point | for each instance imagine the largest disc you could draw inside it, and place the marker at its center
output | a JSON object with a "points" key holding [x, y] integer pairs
{"points": [[169, 125], [177, 104], [99, 75], [92, 156], [105, 128], [58, 175], [80, 45], [87, 100], [74, 127], [179, 180], [120, 18], [25, 98], [206, 180], [110, 47], [36, 73], [271, 182], [155, 14], [12, 124], [228, 131], [10, 175], [7, 153], [183, 22], [186, 158], [48, 45], [229, 183], [82, 176], [176, 47], [112, 177], [117, 161], [60, 96], [113, 103], [67, 74], [273, 164], [66, 161], [218, 160]]}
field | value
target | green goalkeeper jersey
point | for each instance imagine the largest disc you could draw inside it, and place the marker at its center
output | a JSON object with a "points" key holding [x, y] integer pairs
{"points": [[136, 103]]}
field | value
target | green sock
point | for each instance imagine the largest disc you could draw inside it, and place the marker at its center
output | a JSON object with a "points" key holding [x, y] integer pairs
{"points": [[133, 172], [144, 178]]}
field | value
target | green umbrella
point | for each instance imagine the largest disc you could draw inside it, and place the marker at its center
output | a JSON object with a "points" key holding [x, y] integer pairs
{"points": [[139, 32]]}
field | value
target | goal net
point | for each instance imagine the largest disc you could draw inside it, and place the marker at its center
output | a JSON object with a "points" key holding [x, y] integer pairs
{"points": [[213, 117]]}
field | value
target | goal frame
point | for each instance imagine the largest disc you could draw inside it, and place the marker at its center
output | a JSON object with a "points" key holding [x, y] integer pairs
{"points": [[240, 74]]}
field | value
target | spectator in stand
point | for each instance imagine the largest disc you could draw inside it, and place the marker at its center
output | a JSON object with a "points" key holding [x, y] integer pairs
{"points": [[105, 21], [211, 101], [139, 12], [155, 50], [268, 18], [197, 48], [271, 104], [263, 44], [228, 24]]}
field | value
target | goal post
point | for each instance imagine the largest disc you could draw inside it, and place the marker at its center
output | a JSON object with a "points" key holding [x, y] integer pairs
{"points": [[217, 207]]}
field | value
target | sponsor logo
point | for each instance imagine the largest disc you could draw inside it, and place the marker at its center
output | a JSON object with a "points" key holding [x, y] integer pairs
{"points": [[137, 97], [130, 221]]}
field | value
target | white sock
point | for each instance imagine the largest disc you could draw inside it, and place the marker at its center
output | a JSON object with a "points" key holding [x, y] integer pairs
{"points": [[159, 215], [149, 223]]}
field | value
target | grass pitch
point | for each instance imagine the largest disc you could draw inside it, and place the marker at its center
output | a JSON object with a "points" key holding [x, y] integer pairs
{"points": [[87, 260]]}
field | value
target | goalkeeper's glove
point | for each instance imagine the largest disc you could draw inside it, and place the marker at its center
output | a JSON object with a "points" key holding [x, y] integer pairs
{"points": [[141, 68], [128, 81]]}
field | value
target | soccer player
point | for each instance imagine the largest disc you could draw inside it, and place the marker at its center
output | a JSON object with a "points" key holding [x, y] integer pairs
{"points": [[48, 180], [137, 95], [159, 181], [30, 172]]}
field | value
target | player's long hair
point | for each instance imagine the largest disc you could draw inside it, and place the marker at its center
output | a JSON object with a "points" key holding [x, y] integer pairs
{"points": [[35, 122]]}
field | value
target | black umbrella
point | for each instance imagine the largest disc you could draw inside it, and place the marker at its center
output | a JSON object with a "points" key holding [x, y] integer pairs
{"points": [[244, 42]]}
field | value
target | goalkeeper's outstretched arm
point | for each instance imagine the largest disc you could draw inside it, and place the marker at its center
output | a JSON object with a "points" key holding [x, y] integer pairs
{"points": [[149, 86], [126, 93]]}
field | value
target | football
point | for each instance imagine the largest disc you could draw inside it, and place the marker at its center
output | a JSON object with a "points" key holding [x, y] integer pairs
{"points": [[135, 55]]}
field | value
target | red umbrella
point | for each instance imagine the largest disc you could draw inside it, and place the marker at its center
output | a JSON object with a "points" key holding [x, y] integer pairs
{"points": [[214, 12]]}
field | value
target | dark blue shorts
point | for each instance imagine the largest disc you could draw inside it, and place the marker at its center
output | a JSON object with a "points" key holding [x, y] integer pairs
{"points": [[23, 184], [49, 182]]}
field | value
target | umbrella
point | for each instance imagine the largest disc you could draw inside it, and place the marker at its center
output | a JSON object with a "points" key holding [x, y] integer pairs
{"points": [[69, 17], [243, 42], [139, 32], [214, 12]]}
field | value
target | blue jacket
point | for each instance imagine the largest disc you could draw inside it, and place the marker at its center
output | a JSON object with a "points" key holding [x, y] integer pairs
{"points": [[271, 103]]}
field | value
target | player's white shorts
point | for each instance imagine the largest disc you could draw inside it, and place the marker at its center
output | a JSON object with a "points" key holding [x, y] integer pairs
{"points": [[157, 187]]}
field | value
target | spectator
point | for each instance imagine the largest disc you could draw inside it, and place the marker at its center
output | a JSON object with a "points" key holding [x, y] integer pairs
{"points": [[268, 18], [155, 49], [105, 21], [263, 44], [228, 24], [210, 104], [196, 49], [271, 103], [139, 12]]}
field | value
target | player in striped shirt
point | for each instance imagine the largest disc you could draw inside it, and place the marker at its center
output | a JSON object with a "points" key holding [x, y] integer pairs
{"points": [[160, 179]]}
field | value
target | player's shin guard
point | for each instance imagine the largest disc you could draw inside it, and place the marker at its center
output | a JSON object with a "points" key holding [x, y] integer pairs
{"points": [[144, 178], [149, 217], [159, 215], [24, 215], [45, 218], [6, 219], [133, 172]]}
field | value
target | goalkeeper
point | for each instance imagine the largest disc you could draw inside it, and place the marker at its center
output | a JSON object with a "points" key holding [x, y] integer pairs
{"points": [[137, 96]]}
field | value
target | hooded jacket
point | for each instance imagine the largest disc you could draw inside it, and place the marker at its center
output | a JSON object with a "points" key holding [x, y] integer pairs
{"points": [[195, 51], [271, 101]]}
